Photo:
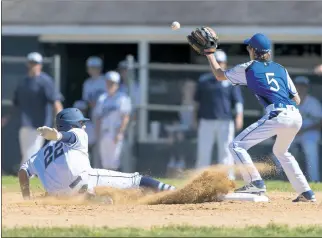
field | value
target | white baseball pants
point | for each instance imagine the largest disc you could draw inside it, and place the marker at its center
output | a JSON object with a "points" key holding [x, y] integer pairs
{"points": [[115, 179], [30, 142], [209, 132], [100, 177], [110, 152], [285, 126]]}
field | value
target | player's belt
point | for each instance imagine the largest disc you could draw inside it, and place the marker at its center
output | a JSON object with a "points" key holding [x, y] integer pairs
{"points": [[279, 107], [83, 189]]}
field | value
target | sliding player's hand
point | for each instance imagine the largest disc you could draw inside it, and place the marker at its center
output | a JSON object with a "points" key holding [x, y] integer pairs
{"points": [[49, 133]]}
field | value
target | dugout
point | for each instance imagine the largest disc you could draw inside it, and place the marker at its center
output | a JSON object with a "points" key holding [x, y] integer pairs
{"points": [[70, 30]]}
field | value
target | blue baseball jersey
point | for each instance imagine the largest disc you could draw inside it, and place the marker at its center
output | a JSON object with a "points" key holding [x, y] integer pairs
{"points": [[269, 81]]}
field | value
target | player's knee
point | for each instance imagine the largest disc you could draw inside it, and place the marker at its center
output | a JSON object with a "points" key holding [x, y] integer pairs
{"points": [[278, 152]]}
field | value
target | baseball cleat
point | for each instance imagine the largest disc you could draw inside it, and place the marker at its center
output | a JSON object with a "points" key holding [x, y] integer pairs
{"points": [[306, 197], [255, 187]]}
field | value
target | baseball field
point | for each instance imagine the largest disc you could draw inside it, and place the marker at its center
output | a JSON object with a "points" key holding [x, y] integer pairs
{"points": [[58, 217]]}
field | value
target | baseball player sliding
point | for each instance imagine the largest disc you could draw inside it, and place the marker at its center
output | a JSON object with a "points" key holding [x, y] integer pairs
{"points": [[272, 85], [113, 115], [63, 165]]}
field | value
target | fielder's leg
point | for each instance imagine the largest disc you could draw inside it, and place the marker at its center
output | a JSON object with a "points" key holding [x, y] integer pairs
{"points": [[287, 125], [252, 135], [206, 139]]}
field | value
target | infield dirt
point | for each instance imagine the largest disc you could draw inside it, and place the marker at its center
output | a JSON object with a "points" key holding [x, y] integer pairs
{"points": [[131, 210]]}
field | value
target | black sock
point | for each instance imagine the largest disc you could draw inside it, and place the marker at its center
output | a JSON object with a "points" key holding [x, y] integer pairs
{"points": [[155, 184]]}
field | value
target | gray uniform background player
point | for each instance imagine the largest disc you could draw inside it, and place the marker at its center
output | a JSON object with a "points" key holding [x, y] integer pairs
{"points": [[214, 112], [90, 130], [93, 87], [37, 100], [310, 134], [112, 113], [131, 87]]}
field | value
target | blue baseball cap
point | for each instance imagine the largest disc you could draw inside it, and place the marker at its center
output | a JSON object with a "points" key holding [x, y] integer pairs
{"points": [[259, 42]]}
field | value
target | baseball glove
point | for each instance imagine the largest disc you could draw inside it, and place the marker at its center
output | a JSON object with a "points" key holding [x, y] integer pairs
{"points": [[203, 40]]}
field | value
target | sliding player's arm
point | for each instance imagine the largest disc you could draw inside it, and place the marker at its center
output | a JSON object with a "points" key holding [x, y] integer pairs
{"points": [[24, 183], [52, 134], [25, 173]]}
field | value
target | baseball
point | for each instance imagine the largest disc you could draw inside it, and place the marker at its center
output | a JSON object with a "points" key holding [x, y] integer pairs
{"points": [[175, 25]]}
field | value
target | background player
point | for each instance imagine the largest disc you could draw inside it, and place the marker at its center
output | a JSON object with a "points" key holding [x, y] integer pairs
{"points": [[63, 165], [310, 133], [272, 85], [93, 87], [113, 115], [214, 112]]}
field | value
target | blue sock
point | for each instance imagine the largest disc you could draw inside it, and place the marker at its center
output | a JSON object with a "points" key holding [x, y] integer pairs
{"points": [[259, 183], [308, 194], [155, 184]]}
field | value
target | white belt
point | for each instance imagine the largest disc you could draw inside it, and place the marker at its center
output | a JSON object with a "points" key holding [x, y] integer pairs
{"points": [[272, 107]]}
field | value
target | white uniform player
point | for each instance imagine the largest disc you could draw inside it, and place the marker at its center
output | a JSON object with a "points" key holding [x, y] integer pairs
{"points": [[273, 87], [63, 165], [93, 87], [113, 112], [310, 134]]}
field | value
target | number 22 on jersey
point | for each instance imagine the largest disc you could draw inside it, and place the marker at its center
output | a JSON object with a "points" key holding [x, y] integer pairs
{"points": [[52, 152], [272, 82]]}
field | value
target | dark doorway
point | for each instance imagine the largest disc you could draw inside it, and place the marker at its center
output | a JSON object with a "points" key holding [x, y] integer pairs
{"points": [[77, 54]]}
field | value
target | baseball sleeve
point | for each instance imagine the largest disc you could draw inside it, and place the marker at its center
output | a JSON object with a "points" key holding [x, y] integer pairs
{"points": [[98, 110], [316, 109], [237, 99], [237, 74], [198, 90], [81, 142], [85, 93], [52, 94], [126, 106], [290, 84]]}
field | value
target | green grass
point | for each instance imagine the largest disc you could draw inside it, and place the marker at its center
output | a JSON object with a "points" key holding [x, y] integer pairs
{"points": [[11, 183], [169, 231]]}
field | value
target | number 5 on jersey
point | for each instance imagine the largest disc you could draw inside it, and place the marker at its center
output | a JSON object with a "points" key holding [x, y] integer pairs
{"points": [[50, 156], [270, 80]]}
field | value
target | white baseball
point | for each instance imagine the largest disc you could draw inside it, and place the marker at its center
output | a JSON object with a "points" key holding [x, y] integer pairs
{"points": [[175, 25]]}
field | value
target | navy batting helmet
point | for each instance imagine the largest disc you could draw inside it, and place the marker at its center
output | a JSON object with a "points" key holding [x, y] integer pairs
{"points": [[70, 118]]}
